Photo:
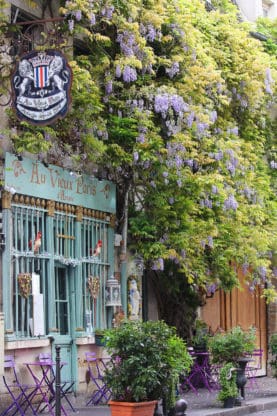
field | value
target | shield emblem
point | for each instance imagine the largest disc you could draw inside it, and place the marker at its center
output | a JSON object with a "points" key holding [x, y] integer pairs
{"points": [[41, 76], [41, 85]]}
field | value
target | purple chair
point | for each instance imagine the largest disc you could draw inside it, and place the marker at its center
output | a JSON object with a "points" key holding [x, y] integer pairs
{"points": [[21, 394], [252, 368], [200, 374], [65, 387], [96, 368]]}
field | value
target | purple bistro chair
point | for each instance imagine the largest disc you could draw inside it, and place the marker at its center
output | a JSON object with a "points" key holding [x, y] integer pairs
{"points": [[200, 374], [21, 394], [65, 387], [101, 394], [252, 368]]}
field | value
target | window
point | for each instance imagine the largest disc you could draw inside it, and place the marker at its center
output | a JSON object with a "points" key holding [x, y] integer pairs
{"points": [[27, 223], [267, 5], [95, 269]]}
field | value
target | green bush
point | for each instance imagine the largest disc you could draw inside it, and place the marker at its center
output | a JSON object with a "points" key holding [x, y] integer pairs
{"points": [[229, 346], [227, 381], [147, 359], [273, 350]]}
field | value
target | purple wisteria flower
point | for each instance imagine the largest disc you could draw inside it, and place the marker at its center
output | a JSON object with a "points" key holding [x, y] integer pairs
{"points": [[136, 156], [179, 183], [164, 101], [140, 138], [219, 155], [161, 104], [273, 164], [231, 168], [129, 74], [248, 192], [92, 19], [127, 42], [118, 71], [109, 87], [158, 264], [71, 25], [262, 272], [213, 116], [189, 162], [78, 15], [149, 32], [230, 203], [268, 81], [210, 241], [212, 287], [173, 70], [107, 12], [178, 104], [201, 128], [171, 200], [203, 243], [245, 268], [214, 189], [208, 203], [233, 130], [190, 119]]}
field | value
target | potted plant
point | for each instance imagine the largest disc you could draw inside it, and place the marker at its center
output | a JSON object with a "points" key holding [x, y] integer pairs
{"points": [[99, 335], [273, 350], [233, 347], [147, 359], [228, 387], [201, 335]]}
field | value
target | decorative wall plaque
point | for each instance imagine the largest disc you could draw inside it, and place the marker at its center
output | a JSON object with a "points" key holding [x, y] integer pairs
{"points": [[41, 86]]}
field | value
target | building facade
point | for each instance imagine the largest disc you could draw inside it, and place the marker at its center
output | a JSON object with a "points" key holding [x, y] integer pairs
{"points": [[63, 273], [252, 9], [59, 258]]}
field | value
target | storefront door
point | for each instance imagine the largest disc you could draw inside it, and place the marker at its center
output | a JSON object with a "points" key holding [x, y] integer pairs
{"points": [[64, 288]]}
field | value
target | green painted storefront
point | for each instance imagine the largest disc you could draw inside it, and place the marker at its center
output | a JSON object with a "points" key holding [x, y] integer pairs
{"points": [[73, 213]]}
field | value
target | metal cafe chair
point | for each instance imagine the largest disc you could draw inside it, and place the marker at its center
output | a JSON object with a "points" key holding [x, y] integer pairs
{"points": [[200, 374], [65, 387], [252, 368], [96, 368], [20, 394]]}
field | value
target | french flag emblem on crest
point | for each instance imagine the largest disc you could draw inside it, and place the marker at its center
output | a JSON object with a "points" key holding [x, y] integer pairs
{"points": [[41, 85], [41, 76]]}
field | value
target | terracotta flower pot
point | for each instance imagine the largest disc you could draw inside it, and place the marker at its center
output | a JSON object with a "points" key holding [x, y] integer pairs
{"points": [[132, 409]]}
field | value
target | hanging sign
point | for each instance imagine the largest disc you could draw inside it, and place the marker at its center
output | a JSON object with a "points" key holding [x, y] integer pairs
{"points": [[41, 86]]}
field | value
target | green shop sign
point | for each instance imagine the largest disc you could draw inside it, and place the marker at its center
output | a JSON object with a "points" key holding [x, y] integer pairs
{"points": [[29, 177]]}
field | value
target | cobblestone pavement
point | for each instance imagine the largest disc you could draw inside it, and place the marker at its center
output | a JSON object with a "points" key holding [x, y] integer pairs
{"points": [[258, 399]]}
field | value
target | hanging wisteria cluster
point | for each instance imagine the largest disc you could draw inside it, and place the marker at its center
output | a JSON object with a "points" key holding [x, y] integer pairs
{"points": [[172, 102]]}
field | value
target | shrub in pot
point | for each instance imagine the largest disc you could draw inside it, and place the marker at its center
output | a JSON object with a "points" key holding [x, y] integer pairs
{"points": [[201, 335], [273, 350], [147, 359], [228, 387], [230, 346], [233, 347], [99, 335]]}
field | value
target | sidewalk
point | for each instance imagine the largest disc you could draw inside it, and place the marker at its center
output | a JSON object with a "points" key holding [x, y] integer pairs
{"points": [[262, 397]]}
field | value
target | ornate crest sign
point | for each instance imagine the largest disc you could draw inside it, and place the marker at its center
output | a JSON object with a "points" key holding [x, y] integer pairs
{"points": [[41, 87]]}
